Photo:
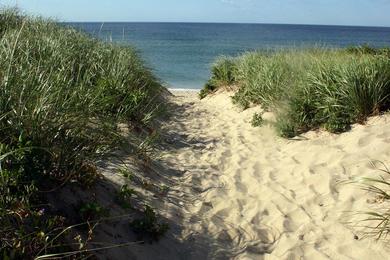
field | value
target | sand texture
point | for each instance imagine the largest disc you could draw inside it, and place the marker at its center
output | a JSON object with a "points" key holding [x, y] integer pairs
{"points": [[239, 192], [258, 196]]}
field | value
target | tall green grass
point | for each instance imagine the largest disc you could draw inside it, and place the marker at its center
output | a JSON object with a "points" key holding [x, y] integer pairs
{"points": [[62, 97], [312, 88], [223, 72]]}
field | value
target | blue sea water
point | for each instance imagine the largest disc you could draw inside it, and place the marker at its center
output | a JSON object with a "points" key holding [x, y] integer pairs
{"points": [[181, 53]]}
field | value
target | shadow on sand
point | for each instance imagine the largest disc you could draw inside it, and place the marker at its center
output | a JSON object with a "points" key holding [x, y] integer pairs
{"points": [[156, 183]]}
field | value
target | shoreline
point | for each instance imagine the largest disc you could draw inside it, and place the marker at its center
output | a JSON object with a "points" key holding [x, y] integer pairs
{"points": [[184, 90]]}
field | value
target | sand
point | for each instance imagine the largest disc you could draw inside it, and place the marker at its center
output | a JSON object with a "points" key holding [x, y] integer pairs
{"points": [[239, 192], [258, 196]]}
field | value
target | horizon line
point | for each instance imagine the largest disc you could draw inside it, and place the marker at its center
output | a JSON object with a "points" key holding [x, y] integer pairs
{"points": [[243, 23]]}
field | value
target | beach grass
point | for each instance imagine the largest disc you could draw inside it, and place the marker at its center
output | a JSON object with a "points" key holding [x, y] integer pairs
{"points": [[223, 72], [311, 88], [376, 222], [62, 98]]}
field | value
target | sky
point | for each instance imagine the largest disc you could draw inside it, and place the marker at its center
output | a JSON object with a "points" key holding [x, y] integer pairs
{"points": [[329, 12]]}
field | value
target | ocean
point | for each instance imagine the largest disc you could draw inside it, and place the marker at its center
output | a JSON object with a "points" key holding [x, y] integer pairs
{"points": [[181, 53]]}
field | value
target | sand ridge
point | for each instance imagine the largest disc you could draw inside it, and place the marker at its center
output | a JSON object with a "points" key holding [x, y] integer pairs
{"points": [[258, 196]]}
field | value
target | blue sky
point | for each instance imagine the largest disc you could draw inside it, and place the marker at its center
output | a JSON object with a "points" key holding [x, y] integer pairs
{"points": [[342, 12]]}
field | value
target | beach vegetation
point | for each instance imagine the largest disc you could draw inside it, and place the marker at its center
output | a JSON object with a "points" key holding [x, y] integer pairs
{"points": [[206, 90], [376, 222], [222, 75], [312, 88], [124, 195], [367, 49], [126, 173], [92, 211], [63, 96], [257, 120], [149, 226]]}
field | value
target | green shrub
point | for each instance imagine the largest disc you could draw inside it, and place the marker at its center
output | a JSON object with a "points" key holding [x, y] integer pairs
{"points": [[92, 211], [124, 196], [25, 226], [240, 99], [257, 120], [149, 225]]}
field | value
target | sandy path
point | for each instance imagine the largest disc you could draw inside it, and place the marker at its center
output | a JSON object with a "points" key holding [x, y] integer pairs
{"points": [[257, 196]]}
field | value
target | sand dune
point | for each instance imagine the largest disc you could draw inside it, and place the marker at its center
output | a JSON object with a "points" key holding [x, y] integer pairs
{"points": [[258, 196]]}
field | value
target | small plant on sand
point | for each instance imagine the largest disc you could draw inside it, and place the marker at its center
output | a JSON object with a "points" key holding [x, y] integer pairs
{"points": [[126, 173], [257, 120], [164, 189], [149, 225], [92, 211], [124, 196]]}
